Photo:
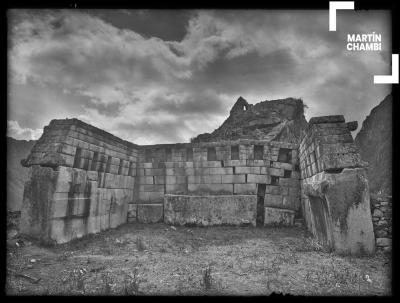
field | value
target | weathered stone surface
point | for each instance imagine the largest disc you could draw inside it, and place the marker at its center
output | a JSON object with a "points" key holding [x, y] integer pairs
{"points": [[245, 189], [341, 212], [37, 202], [335, 161], [150, 213], [210, 210], [326, 119], [383, 242], [280, 120], [278, 217], [352, 126]]}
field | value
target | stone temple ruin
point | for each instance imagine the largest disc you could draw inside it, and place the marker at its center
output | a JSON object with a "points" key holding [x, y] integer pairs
{"points": [[264, 166]]}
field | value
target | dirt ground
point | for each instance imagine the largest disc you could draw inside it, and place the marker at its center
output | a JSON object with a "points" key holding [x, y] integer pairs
{"points": [[157, 259]]}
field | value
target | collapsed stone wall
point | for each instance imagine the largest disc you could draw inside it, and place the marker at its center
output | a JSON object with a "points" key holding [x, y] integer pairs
{"points": [[81, 180], [226, 168], [381, 209], [334, 186], [278, 120]]}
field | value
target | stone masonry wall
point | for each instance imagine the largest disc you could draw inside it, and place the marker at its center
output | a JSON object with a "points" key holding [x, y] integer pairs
{"points": [[218, 168], [82, 179], [334, 186], [381, 209]]}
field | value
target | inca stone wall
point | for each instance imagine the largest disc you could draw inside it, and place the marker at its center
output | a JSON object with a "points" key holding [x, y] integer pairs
{"points": [[84, 180], [81, 181], [335, 191], [381, 209], [226, 168]]}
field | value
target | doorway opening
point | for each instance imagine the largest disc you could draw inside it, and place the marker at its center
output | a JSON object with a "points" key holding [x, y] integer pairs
{"points": [[260, 204]]}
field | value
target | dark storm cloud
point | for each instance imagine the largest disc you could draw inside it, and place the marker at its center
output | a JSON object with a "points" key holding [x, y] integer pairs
{"points": [[169, 25], [244, 74], [165, 76]]}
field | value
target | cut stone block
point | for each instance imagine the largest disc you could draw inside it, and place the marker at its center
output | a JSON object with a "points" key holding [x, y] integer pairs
{"points": [[150, 213], [247, 170], [264, 179], [273, 200], [278, 217], [245, 189], [220, 189], [210, 210], [233, 179], [208, 179]]}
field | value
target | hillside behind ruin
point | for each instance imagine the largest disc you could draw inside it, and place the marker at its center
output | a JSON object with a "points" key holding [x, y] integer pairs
{"points": [[375, 143]]}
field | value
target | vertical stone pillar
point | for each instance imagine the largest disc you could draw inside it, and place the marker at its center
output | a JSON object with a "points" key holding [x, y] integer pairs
{"points": [[334, 187]]}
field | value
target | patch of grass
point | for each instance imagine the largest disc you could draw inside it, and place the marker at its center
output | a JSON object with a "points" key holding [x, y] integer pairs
{"points": [[271, 272], [107, 249], [132, 283], [63, 257], [107, 284], [74, 281], [120, 242], [207, 278], [311, 244], [334, 279]]}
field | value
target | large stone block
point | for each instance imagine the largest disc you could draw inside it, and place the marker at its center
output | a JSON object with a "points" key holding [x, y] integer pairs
{"points": [[178, 189], [235, 163], [221, 171], [334, 161], [282, 165], [278, 216], [37, 202], [272, 171], [210, 210], [258, 179], [151, 196], [214, 164], [273, 200], [146, 180], [150, 213], [204, 189], [247, 170], [208, 179], [339, 210], [245, 189], [233, 179]]}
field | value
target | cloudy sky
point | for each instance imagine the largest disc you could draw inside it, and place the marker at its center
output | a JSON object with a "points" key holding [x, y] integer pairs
{"points": [[165, 76]]}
